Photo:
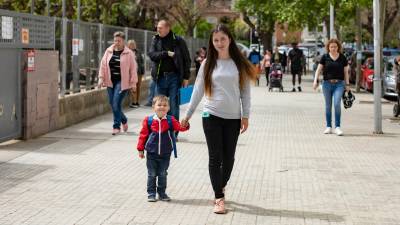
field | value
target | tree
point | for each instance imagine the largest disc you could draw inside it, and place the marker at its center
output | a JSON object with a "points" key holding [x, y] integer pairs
{"points": [[266, 14]]}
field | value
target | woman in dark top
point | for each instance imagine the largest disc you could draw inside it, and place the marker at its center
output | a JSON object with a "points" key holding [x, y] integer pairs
{"points": [[336, 80]]}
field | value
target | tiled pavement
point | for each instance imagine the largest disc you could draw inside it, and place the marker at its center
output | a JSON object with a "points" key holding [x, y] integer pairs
{"points": [[286, 171]]}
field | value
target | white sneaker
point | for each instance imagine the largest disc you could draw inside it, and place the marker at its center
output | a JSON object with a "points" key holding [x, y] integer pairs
{"points": [[338, 131], [328, 130]]}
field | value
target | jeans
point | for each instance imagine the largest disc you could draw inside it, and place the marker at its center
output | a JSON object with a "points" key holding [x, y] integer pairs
{"points": [[157, 166], [152, 91], [169, 86], [221, 136], [334, 90], [115, 97]]}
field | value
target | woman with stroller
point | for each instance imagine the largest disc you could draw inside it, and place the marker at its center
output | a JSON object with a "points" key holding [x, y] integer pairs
{"points": [[266, 64]]}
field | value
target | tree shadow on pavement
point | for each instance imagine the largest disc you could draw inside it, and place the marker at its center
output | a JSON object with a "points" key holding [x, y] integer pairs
{"points": [[233, 206]]}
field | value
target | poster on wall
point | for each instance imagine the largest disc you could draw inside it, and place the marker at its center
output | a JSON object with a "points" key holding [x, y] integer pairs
{"points": [[31, 61], [7, 27], [75, 46]]}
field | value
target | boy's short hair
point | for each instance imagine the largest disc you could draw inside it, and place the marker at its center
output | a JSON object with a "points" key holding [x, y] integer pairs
{"points": [[160, 98]]}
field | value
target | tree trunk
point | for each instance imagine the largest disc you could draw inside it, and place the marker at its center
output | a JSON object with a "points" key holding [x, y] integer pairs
{"points": [[266, 39]]}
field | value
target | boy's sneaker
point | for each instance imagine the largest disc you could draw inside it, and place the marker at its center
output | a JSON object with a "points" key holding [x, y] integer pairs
{"points": [[164, 197], [151, 198], [115, 131], [125, 127], [338, 131], [328, 130], [219, 206]]}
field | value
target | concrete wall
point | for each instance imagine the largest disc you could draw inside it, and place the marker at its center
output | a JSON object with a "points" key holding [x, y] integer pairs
{"points": [[78, 107], [44, 111], [40, 94]]}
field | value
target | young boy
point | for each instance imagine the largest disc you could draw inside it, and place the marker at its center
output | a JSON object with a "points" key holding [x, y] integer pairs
{"points": [[157, 137]]}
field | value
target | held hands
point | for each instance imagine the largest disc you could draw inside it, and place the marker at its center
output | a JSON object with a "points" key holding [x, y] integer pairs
{"points": [[244, 124], [141, 154], [185, 83], [185, 122], [171, 54]]}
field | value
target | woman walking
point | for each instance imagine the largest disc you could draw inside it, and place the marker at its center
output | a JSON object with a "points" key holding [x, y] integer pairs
{"points": [[224, 79], [118, 72], [135, 92], [335, 81]]}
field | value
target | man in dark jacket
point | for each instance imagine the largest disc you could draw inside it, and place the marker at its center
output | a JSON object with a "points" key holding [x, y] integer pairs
{"points": [[170, 64], [296, 66]]}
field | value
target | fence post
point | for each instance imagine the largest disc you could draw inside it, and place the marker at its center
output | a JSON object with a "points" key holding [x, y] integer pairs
{"points": [[126, 33], [145, 51], [63, 56], [75, 56], [100, 54]]}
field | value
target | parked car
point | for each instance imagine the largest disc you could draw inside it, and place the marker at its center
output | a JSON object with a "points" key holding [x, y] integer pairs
{"points": [[389, 78], [243, 48], [367, 67], [367, 74], [353, 63]]}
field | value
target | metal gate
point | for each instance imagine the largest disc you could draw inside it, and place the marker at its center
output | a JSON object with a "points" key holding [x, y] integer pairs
{"points": [[18, 31], [10, 94]]}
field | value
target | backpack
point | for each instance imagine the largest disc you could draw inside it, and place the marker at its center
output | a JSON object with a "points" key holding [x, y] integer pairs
{"points": [[170, 129]]}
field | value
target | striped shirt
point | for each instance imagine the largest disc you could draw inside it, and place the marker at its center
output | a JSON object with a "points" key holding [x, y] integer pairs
{"points": [[115, 66]]}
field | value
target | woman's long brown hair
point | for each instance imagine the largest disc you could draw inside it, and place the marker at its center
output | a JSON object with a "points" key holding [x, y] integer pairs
{"points": [[245, 68]]}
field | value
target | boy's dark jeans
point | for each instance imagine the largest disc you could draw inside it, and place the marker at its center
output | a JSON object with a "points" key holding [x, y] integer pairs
{"points": [[157, 166]]}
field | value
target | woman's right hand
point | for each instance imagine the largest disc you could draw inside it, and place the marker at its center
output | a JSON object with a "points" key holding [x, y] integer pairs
{"points": [[315, 85], [100, 83]]}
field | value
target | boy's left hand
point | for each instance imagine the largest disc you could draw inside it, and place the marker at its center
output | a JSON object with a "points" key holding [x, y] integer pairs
{"points": [[141, 154]]}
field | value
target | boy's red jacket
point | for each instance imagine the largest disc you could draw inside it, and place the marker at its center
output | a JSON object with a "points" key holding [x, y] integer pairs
{"points": [[157, 127]]}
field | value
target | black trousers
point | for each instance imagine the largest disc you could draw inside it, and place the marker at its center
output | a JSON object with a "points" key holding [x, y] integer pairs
{"points": [[221, 136]]}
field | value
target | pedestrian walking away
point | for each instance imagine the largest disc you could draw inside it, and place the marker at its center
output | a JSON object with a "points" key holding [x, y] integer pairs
{"points": [[224, 79], [255, 59], [266, 64], [335, 80], [158, 139], [135, 92], [296, 65], [118, 72], [170, 64]]}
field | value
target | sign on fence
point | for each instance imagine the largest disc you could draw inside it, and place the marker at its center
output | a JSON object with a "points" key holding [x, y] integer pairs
{"points": [[7, 27], [25, 36]]}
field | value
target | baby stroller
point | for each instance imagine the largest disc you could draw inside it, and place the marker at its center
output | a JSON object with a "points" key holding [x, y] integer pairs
{"points": [[275, 77]]}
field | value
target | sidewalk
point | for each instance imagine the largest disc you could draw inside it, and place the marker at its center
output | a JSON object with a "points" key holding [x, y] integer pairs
{"points": [[286, 171]]}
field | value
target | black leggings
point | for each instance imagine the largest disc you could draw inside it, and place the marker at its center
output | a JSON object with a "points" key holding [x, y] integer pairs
{"points": [[267, 74], [221, 136]]}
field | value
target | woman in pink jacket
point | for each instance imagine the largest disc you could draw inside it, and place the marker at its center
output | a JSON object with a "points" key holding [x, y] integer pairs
{"points": [[118, 72]]}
